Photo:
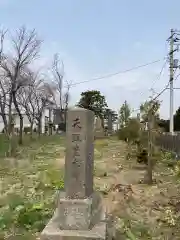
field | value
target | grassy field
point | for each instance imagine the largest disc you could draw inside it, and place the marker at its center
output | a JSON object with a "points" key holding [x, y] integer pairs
{"points": [[29, 184]]}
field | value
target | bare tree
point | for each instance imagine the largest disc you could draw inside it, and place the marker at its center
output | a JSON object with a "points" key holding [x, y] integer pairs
{"points": [[26, 98], [58, 82], [34, 98], [58, 74], [5, 100], [26, 48], [66, 99], [43, 95]]}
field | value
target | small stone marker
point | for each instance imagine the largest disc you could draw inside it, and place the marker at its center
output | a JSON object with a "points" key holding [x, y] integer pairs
{"points": [[80, 213], [110, 124], [99, 131]]}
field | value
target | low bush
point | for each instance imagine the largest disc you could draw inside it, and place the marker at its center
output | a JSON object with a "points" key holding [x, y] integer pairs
{"points": [[131, 132]]}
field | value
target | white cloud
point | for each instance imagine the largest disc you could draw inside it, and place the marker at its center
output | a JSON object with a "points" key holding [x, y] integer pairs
{"points": [[131, 86]]}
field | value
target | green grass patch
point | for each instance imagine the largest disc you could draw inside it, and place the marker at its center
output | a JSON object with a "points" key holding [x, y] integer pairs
{"points": [[101, 143], [28, 186], [28, 143]]}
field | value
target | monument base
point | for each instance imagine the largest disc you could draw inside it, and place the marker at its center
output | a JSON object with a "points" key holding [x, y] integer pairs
{"points": [[78, 214], [85, 223], [52, 232]]}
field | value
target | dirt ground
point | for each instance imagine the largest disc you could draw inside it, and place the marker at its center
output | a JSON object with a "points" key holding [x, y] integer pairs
{"points": [[141, 211]]}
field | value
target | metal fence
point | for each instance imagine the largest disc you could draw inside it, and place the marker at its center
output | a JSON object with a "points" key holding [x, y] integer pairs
{"points": [[169, 142]]}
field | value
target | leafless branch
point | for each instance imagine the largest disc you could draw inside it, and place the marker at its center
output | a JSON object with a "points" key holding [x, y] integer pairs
{"points": [[58, 74], [26, 46], [35, 98]]}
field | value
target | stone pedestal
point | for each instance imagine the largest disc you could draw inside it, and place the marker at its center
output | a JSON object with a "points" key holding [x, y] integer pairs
{"points": [[80, 213], [78, 219], [52, 232]]}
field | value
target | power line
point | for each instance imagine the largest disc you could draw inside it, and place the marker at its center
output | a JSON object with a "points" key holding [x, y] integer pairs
{"points": [[159, 75], [162, 91], [158, 95], [116, 73], [176, 79]]}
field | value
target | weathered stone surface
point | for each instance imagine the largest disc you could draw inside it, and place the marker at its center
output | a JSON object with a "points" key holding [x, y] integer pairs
{"points": [[80, 213], [80, 153], [110, 124], [98, 129], [53, 232]]}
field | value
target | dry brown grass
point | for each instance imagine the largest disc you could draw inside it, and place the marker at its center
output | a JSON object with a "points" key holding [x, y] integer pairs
{"points": [[145, 212]]}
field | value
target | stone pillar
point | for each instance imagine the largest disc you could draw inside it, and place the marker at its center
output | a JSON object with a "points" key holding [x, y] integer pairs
{"points": [[80, 150], [80, 213], [99, 131], [110, 125]]}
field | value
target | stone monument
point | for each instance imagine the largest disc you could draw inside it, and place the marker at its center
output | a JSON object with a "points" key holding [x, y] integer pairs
{"points": [[98, 129], [110, 124], [80, 213]]}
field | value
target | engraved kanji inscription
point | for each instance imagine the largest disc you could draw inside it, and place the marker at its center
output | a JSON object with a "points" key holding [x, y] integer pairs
{"points": [[75, 160], [76, 123], [76, 137], [76, 150]]}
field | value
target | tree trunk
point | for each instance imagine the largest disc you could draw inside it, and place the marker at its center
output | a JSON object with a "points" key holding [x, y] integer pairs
{"points": [[12, 144], [3, 115], [50, 129], [20, 117], [31, 130], [21, 130], [5, 123], [10, 115], [39, 127]]}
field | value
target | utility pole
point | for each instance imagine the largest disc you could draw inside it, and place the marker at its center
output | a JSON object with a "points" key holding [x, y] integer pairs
{"points": [[171, 126], [150, 146], [173, 64]]}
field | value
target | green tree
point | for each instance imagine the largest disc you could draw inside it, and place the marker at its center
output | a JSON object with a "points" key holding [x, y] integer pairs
{"points": [[177, 120], [164, 124], [111, 112], [146, 106], [131, 131], [124, 114], [94, 101]]}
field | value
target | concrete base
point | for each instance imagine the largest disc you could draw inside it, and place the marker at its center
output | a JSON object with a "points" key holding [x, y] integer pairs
{"points": [[78, 221], [52, 232], [78, 214]]}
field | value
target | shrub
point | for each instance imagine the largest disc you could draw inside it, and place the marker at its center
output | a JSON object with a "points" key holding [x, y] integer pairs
{"points": [[131, 131]]}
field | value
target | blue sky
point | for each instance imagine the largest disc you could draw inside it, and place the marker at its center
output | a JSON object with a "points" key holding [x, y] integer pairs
{"points": [[98, 37]]}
